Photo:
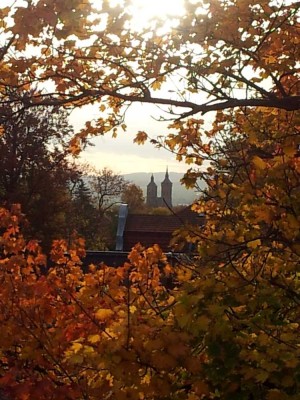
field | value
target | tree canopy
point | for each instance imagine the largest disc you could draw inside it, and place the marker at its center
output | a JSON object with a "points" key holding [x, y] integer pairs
{"points": [[93, 214], [133, 196], [35, 168], [85, 53]]}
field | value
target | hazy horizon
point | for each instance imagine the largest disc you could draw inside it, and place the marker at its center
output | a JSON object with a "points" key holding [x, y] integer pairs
{"points": [[181, 195]]}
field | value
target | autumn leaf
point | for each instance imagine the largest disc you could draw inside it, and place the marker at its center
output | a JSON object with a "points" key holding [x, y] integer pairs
{"points": [[141, 137], [254, 243], [258, 162], [103, 314]]}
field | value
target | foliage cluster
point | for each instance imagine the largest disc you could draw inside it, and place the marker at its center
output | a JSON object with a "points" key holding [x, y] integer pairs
{"points": [[226, 327]]}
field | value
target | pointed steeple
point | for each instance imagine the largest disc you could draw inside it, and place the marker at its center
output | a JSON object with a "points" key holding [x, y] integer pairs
{"points": [[151, 193], [167, 173], [167, 179], [166, 189]]}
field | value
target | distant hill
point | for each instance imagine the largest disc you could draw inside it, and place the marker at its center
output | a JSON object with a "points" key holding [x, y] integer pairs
{"points": [[181, 195]]}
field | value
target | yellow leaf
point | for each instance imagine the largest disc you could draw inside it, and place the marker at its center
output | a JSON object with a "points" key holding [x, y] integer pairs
{"points": [[264, 214], [258, 162], [75, 145], [146, 379], [94, 338], [132, 309], [264, 339], [274, 394], [262, 376], [222, 194], [252, 137], [76, 347], [184, 275], [103, 314], [254, 243], [292, 363], [290, 151], [141, 137], [270, 60], [286, 337], [223, 162], [156, 85]]}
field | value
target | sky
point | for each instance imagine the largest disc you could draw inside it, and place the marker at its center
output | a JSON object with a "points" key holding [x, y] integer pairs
{"points": [[121, 154]]}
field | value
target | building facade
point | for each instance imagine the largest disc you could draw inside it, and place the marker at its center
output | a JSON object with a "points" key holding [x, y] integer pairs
{"points": [[149, 229], [166, 193]]}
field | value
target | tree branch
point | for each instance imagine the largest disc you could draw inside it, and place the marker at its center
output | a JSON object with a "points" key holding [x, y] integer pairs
{"points": [[290, 103]]}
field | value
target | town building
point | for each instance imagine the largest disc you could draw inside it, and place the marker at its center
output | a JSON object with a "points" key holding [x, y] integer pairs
{"points": [[149, 229], [165, 200]]}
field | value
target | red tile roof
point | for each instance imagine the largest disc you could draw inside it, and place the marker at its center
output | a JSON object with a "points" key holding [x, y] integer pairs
{"points": [[152, 223], [156, 229]]}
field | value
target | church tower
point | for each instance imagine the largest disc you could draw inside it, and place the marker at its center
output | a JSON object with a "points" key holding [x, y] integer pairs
{"points": [[152, 193], [166, 190]]}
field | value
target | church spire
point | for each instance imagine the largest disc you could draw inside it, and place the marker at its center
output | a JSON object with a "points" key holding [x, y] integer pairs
{"points": [[151, 193], [167, 173], [166, 192], [166, 189]]}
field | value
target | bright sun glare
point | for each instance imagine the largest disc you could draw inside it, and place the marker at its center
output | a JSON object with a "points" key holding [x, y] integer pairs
{"points": [[143, 11]]}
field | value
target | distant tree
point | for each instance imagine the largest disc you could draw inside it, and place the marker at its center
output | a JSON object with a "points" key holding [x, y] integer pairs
{"points": [[31, 142], [133, 196], [34, 168], [98, 229], [92, 214], [83, 215], [48, 208], [106, 187]]}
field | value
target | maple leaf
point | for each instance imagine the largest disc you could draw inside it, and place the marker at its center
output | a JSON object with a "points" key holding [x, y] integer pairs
{"points": [[141, 137], [103, 314]]}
